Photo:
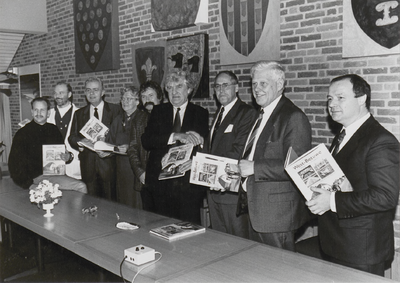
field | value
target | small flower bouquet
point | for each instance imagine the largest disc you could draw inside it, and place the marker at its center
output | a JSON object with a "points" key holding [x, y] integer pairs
{"points": [[45, 193]]}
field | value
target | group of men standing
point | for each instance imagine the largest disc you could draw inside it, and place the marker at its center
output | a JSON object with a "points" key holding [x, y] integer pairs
{"points": [[355, 223]]}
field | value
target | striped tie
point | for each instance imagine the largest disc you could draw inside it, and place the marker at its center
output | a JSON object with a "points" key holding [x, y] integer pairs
{"points": [[250, 143]]}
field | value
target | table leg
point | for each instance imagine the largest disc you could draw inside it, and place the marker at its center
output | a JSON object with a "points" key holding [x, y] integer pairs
{"points": [[39, 254]]}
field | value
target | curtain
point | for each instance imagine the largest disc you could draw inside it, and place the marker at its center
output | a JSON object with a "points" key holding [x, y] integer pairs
{"points": [[5, 126]]}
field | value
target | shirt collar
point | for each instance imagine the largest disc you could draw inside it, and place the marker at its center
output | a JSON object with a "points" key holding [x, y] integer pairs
{"points": [[351, 129], [229, 106], [270, 108]]}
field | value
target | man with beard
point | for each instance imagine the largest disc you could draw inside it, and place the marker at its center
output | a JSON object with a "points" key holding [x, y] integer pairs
{"points": [[150, 94], [61, 116], [25, 160], [97, 168]]}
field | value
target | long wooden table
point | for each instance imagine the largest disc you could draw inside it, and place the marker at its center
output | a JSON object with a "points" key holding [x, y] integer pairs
{"points": [[208, 257]]}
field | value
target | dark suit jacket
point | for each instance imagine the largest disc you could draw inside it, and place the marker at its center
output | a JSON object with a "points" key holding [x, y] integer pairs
{"points": [[138, 156], [275, 203], [361, 231], [231, 143], [159, 129], [88, 157]]}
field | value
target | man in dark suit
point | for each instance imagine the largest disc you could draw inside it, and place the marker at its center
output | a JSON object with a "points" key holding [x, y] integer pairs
{"points": [[356, 223], [276, 207], [150, 95], [97, 168], [176, 122], [229, 131]]}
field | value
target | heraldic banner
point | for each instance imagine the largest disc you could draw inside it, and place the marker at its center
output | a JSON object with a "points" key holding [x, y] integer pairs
{"points": [[371, 27], [249, 31]]}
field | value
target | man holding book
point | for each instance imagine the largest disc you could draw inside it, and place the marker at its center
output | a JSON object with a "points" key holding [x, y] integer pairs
{"points": [[171, 124], [356, 223], [26, 155], [231, 126], [276, 207], [97, 168]]}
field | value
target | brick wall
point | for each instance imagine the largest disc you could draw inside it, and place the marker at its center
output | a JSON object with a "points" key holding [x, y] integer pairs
{"points": [[311, 48]]}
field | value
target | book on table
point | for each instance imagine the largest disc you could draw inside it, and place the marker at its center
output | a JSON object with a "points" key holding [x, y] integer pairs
{"points": [[215, 172], [315, 168], [52, 162], [172, 161], [177, 230]]}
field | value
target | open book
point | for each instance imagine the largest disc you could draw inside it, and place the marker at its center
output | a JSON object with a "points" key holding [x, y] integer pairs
{"points": [[94, 129], [52, 162], [215, 172], [171, 162], [177, 230], [314, 168], [100, 145]]}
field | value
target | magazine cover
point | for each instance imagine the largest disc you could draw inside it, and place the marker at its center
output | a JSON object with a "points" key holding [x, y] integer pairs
{"points": [[52, 162], [94, 129], [177, 230], [171, 162], [215, 172], [315, 168]]}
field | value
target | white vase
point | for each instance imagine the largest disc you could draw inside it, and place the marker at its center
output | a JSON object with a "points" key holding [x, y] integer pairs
{"points": [[48, 207]]}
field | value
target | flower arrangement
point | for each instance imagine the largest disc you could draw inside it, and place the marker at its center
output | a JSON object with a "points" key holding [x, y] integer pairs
{"points": [[45, 193]]}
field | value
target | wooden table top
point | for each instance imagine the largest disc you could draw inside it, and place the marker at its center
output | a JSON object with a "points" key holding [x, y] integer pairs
{"points": [[208, 257]]}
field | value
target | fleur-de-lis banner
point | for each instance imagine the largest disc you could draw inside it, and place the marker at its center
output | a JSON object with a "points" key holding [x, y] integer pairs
{"points": [[249, 31], [371, 27], [96, 35], [153, 60]]}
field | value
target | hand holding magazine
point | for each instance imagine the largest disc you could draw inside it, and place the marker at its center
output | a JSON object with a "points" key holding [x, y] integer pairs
{"points": [[171, 162], [215, 172], [315, 168], [94, 130], [101, 146]]}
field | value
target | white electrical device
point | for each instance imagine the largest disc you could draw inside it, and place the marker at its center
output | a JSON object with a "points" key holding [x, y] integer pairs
{"points": [[139, 254]]}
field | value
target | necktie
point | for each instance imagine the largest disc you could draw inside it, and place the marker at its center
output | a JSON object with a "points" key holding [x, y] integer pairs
{"points": [[339, 140], [177, 122], [96, 114], [218, 123], [242, 205], [253, 134]]}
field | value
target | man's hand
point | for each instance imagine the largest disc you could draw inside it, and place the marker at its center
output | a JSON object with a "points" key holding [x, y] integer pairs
{"points": [[103, 154], [65, 156], [320, 201], [217, 189], [142, 178], [246, 167], [185, 166], [123, 148], [189, 137]]}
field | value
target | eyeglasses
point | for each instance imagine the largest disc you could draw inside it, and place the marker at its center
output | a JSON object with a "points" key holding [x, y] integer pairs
{"points": [[129, 99], [222, 86], [89, 90]]}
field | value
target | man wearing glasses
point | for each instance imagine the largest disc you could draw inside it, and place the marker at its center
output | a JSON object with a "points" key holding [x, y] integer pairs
{"points": [[230, 128], [97, 168]]}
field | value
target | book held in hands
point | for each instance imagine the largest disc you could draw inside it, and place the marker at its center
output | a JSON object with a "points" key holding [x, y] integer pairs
{"points": [[94, 129], [173, 160], [52, 162], [100, 145], [215, 172], [315, 168], [177, 230]]}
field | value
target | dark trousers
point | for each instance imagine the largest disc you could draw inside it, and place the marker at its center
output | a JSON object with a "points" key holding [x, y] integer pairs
{"points": [[283, 240], [377, 269], [175, 198]]}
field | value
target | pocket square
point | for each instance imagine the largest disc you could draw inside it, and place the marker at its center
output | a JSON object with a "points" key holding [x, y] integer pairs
{"points": [[229, 128]]}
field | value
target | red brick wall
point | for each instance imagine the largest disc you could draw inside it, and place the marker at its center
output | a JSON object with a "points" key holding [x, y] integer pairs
{"points": [[311, 51]]}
